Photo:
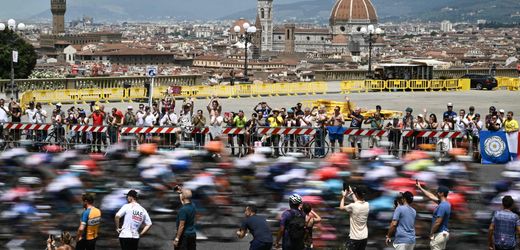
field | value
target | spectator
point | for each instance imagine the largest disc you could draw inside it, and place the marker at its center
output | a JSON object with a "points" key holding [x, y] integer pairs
{"points": [[298, 111], [439, 233], [65, 240], [117, 121], [275, 120], [148, 118], [336, 129], [306, 120], [240, 122], [186, 237], [357, 121], [264, 108], [229, 120], [446, 126], [394, 135], [493, 124], [408, 125], [501, 117], [433, 124], [199, 123], [475, 126], [251, 136], [134, 216], [504, 227], [130, 119], [376, 123], [510, 124], [88, 230], [4, 113], [140, 115], [404, 221], [31, 118], [420, 125], [167, 104], [257, 225], [169, 119], [185, 119], [16, 117], [492, 111], [214, 107], [470, 114], [311, 219], [70, 121], [358, 211], [461, 125], [41, 118], [97, 120], [321, 131], [58, 119], [156, 113], [511, 128], [291, 122], [450, 113], [292, 226]]}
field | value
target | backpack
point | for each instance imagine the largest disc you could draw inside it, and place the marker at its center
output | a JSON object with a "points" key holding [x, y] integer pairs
{"points": [[296, 230]]}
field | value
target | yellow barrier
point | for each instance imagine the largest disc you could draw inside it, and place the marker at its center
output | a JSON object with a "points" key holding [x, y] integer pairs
{"points": [[354, 85], [508, 83], [375, 85], [418, 85], [436, 85], [394, 85], [452, 84]]}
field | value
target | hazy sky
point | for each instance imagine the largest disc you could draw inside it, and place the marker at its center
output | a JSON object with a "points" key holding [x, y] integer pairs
{"points": [[26, 8]]}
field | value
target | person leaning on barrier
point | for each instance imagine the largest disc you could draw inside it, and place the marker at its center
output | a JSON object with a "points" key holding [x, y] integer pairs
{"points": [[130, 119], [199, 122], [376, 123]]}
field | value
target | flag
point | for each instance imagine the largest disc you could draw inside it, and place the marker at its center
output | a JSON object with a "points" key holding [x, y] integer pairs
{"points": [[494, 147], [512, 143]]}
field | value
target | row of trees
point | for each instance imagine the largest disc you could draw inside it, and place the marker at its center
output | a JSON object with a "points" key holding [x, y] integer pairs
{"points": [[9, 41]]}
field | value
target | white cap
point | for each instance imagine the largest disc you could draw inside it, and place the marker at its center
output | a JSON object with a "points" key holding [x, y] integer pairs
{"points": [[58, 104], [502, 111], [420, 115], [130, 107], [450, 104]]}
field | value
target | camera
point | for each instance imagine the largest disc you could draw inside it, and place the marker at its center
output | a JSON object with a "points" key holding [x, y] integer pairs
{"points": [[177, 188]]}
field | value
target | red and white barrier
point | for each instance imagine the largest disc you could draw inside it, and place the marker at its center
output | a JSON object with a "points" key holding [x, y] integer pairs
{"points": [[234, 131], [433, 134], [26, 126], [365, 132], [286, 131], [86, 128]]}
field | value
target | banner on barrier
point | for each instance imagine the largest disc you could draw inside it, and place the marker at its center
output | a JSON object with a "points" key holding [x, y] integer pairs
{"points": [[494, 147]]}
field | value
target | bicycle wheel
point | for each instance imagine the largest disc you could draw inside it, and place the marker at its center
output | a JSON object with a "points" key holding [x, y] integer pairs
{"points": [[288, 146], [319, 150]]}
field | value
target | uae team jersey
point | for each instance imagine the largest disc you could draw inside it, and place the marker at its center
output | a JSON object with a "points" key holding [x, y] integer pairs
{"points": [[91, 218], [135, 216]]}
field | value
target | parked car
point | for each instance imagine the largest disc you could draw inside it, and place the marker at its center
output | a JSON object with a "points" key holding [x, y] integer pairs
{"points": [[481, 81]]}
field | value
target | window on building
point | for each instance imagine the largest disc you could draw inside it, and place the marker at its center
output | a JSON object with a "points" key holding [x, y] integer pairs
{"points": [[308, 38], [262, 13], [342, 28], [279, 37]]}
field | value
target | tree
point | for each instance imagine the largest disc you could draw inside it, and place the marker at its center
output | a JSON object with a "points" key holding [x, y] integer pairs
{"points": [[10, 41]]}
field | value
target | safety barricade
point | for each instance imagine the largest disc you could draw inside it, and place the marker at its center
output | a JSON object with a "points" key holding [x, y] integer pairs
{"points": [[262, 89], [436, 85], [375, 85], [28, 126], [88, 128], [353, 86], [233, 131], [418, 85], [452, 84], [285, 131], [395, 85]]}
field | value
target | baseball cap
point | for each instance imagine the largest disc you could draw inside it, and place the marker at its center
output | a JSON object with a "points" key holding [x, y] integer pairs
{"points": [[450, 104], [443, 189], [420, 115], [502, 111], [130, 107], [96, 108], [409, 110], [58, 104], [132, 193]]}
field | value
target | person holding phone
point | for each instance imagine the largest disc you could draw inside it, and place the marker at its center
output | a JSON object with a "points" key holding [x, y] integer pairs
{"points": [[358, 211], [439, 233], [65, 241], [403, 223]]}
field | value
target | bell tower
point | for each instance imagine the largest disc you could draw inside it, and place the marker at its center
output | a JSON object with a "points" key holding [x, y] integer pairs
{"points": [[265, 14], [58, 8]]}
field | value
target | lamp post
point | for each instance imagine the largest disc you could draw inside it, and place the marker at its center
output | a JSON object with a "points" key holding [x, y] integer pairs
{"points": [[11, 25], [372, 33], [249, 31]]}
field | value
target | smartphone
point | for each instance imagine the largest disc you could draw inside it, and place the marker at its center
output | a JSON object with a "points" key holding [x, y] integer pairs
{"points": [[345, 186], [227, 114]]}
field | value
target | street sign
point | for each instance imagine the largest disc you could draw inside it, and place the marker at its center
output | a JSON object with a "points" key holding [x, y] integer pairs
{"points": [[15, 56], [151, 71]]}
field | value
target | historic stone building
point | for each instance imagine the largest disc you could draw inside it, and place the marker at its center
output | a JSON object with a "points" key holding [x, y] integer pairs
{"points": [[265, 16], [58, 8]]}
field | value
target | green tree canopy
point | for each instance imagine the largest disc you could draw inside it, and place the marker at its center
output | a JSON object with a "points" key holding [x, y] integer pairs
{"points": [[10, 41]]}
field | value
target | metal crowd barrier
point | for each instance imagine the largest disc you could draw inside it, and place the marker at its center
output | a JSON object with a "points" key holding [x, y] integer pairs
{"points": [[281, 140], [403, 85]]}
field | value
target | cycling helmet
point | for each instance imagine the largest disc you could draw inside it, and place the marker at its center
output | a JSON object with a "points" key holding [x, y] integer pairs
{"points": [[295, 199]]}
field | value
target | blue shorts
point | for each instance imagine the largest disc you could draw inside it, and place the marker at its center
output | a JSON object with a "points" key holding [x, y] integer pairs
{"points": [[336, 137]]}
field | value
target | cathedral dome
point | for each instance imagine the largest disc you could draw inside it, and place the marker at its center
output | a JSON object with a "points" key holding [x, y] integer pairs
{"points": [[353, 12]]}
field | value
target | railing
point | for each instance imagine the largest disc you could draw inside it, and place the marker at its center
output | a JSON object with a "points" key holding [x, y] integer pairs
{"points": [[312, 142], [98, 82], [508, 83], [127, 94], [343, 75], [403, 85]]}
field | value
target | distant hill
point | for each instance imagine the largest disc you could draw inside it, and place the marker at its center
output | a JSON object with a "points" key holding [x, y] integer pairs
{"points": [[404, 10], [315, 10]]}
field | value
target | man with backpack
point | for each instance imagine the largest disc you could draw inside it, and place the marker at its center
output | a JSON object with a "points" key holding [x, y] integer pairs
{"points": [[292, 226]]}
